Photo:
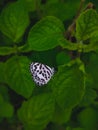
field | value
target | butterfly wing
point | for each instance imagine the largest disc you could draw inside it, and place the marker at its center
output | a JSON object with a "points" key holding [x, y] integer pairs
{"points": [[41, 73]]}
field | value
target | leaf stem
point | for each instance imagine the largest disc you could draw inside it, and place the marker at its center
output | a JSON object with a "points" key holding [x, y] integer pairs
{"points": [[71, 30], [16, 51], [72, 27]]}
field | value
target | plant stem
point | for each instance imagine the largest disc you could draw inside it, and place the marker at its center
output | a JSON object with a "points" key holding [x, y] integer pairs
{"points": [[72, 27]]}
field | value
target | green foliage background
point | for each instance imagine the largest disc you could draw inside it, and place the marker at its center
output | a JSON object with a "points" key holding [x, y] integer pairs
{"points": [[62, 34]]}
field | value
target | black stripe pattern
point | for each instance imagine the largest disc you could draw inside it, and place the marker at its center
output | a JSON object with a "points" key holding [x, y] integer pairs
{"points": [[41, 73]]}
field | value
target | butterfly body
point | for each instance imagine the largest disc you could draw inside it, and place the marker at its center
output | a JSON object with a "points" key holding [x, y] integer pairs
{"points": [[41, 73]]}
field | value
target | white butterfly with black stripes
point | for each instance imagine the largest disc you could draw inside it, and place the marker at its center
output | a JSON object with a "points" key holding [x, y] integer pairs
{"points": [[41, 73]]}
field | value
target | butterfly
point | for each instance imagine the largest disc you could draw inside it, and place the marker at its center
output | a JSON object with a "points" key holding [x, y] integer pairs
{"points": [[41, 73]]}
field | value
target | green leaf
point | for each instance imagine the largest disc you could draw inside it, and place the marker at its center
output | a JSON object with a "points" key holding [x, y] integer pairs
{"points": [[88, 118], [87, 25], [78, 128], [6, 51], [2, 72], [93, 44], [14, 20], [32, 5], [4, 92], [65, 44], [68, 128], [68, 85], [24, 48], [89, 97], [6, 110], [46, 34], [51, 1], [61, 116], [60, 9], [1, 98], [37, 111], [63, 58], [91, 69], [18, 75]]}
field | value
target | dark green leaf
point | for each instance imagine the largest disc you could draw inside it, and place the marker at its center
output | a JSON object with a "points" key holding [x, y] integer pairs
{"points": [[2, 72], [91, 69], [24, 48], [63, 58], [6, 51], [61, 116], [1, 98], [46, 34], [52, 1], [18, 75], [32, 5], [37, 111], [60, 9], [68, 85], [4, 92], [14, 20], [78, 128], [87, 25], [6, 110], [93, 44], [65, 44], [88, 118], [89, 97]]}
